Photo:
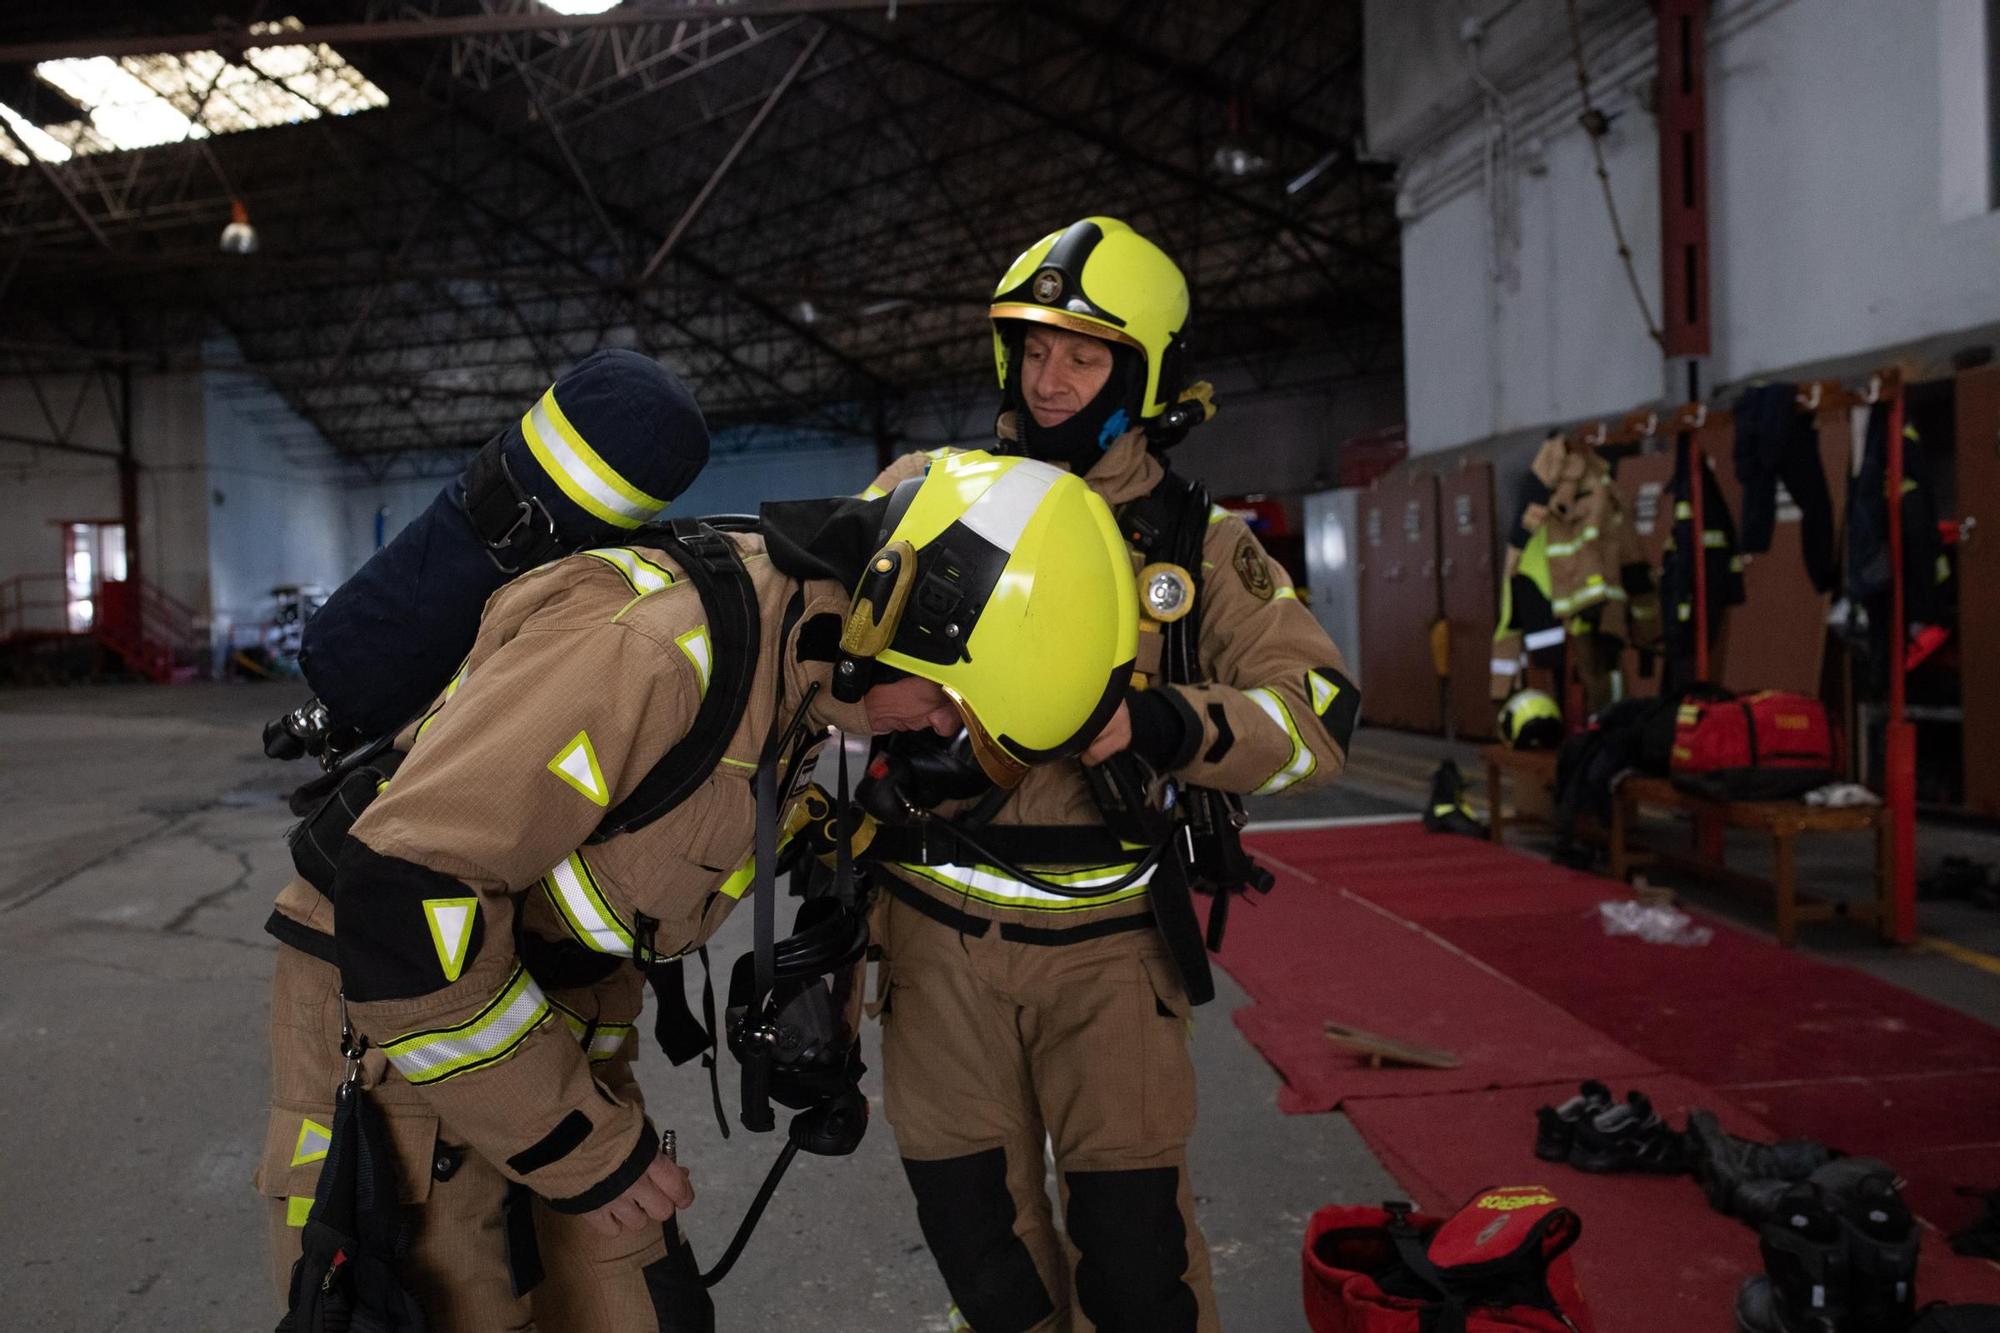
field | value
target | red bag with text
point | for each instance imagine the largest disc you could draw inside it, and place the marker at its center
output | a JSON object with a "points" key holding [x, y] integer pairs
{"points": [[1769, 746], [1498, 1265]]}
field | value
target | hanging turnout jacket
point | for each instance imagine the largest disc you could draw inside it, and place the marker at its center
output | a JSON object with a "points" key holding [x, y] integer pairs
{"points": [[1722, 566], [1596, 576], [1925, 567]]}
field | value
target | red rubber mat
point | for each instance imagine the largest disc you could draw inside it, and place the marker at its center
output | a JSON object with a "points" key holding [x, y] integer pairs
{"points": [[1653, 1258], [1307, 955], [1736, 1010]]}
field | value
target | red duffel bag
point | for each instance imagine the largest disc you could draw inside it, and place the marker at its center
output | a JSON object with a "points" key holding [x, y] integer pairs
{"points": [[1498, 1265], [1756, 747]]}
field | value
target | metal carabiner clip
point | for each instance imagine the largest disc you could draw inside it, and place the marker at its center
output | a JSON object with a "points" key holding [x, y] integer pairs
{"points": [[352, 1048]]}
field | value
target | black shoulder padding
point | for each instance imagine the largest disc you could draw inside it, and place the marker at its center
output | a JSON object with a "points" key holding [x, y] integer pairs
{"points": [[384, 937]]}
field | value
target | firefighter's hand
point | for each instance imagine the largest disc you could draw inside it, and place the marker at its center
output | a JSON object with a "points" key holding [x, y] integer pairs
{"points": [[648, 1201], [1117, 734]]}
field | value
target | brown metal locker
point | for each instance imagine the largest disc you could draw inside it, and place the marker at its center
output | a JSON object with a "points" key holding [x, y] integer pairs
{"points": [[1776, 640], [1642, 483], [1469, 591], [1979, 582], [1399, 602]]}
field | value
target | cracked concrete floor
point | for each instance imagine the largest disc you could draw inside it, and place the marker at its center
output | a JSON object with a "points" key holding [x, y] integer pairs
{"points": [[140, 844]]}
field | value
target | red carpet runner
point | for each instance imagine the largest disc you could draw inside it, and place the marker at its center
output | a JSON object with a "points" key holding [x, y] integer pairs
{"points": [[1499, 957]]}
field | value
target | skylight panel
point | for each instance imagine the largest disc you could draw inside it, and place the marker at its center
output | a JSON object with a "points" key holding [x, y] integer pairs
{"points": [[580, 6], [142, 101]]}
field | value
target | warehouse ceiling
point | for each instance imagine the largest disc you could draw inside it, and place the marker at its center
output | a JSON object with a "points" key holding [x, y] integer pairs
{"points": [[798, 204]]}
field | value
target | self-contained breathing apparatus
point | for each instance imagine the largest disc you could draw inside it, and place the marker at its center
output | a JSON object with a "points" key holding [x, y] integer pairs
{"points": [[793, 1015]]}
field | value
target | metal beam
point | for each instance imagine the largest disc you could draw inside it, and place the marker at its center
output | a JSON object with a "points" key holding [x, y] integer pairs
{"points": [[233, 38], [729, 160]]}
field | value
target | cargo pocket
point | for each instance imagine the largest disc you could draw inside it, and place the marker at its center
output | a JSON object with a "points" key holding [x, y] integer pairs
{"points": [[1169, 1066], [296, 1139]]}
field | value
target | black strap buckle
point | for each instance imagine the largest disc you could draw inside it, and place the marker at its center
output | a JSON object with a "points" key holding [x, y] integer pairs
{"points": [[526, 509]]}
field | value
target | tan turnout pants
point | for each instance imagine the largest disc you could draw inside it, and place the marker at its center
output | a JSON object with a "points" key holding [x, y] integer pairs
{"points": [[993, 1049], [458, 1267]]}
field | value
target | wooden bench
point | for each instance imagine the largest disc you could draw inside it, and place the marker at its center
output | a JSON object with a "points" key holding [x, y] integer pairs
{"points": [[1784, 821]]}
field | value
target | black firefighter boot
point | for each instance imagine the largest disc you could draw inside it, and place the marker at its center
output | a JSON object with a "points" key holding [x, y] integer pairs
{"points": [[1447, 811], [1742, 1178], [1882, 1240], [1805, 1283]]}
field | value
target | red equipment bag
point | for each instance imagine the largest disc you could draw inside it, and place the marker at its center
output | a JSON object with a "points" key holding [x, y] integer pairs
{"points": [[1757, 747], [1498, 1265]]}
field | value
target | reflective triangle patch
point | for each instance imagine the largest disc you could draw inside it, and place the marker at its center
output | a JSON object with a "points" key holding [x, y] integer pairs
{"points": [[695, 644], [314, 1140], [577, 765], [450, 920], [1324, 691], [298, 1208]]}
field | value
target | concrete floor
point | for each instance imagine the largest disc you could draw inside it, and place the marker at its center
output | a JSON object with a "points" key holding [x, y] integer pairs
{"points": [[140, 844]]}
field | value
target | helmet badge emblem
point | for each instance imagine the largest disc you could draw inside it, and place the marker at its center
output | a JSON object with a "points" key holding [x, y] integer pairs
{"points": [[1048, 286]]}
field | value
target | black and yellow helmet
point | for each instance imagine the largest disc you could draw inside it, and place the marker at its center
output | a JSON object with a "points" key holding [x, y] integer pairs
{"points": [[1006, 582], [1100, 278], [1531, 720]]}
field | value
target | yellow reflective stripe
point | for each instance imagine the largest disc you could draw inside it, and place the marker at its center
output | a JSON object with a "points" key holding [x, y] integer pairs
{"points": [[990, 885], [873, 493], [644, 576], [1714, 540], [1584, 538], [739, 879], [1216, 513], [592, 483], [1285, 593], [584, 908], [450, 689], [1683, 509], [606, 1039], [487, 1038], [695, 644], [298, 1207], [1300, 766]]}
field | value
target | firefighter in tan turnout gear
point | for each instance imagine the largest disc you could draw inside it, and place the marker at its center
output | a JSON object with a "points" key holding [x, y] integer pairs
{"points": [[1040, 949], [493, 899]]}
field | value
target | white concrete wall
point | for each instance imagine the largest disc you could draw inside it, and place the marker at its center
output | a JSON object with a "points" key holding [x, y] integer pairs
{"points": [[1842, 221], [44, 488], [277, 510]]}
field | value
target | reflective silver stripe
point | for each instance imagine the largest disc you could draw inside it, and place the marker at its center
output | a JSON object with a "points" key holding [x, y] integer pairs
{"points": [[574, 891], [592, 483], [1504, 666], [1300, 766], [487, 1038], [1536, 640], [989, 885], [644, 576], [1002, 512]]}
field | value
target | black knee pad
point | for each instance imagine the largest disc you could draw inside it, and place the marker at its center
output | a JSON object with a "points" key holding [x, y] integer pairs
{"points": [[967, 1216], [1132, 1250]]}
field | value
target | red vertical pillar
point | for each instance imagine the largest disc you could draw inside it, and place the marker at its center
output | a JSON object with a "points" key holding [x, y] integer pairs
{"points": [[1683, 177]]}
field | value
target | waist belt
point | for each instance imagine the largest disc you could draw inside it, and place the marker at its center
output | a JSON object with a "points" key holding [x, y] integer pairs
{"points": [[1013, 932], [934, 842], [556, 964]]}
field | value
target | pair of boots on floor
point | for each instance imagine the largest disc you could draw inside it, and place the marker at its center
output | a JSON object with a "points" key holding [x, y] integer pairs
{"points": [[1838, 1243]]}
